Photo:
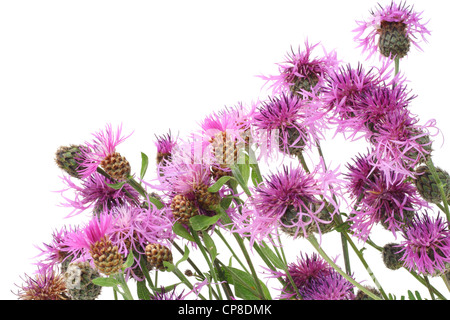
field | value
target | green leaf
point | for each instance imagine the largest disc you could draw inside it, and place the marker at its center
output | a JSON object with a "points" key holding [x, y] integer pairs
{"points": [[277, 262], [130, 260], [181, 231], [244, 284], [226, 202], [201, 222], [219, 183], [166, 288], [169, 266], [411, 295], [156, 202], [210, 246], [116, 186], [144, 165], [240, 179], [105, 282], [185, 256], [142, 291]]}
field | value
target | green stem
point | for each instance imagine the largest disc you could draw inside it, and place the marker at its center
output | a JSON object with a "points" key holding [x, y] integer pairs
{"points": [[441, 188], [208, 261], [428, 285], [316, 245], [231, 250], [123, 284], [397, 65]]}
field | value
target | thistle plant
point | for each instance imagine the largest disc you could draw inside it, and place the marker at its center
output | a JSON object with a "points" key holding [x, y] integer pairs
{"points": [[210, 224]]}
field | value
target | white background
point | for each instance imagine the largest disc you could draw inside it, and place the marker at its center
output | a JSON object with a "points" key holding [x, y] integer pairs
{"points": [[69, 67]]}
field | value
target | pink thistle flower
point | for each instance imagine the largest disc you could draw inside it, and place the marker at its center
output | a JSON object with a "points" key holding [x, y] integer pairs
{"points": [[164, 147], [95, 194], [330, 287], [295, 122], [55, 253], [224, 135], [344, 91], [391, 201], [400, 143], [289, 199], [102, 152], [300, 73], [426, 245], [134, 228], [391, 30]]}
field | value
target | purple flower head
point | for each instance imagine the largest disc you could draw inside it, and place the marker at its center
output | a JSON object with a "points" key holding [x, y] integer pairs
{"points": [[360, 176], [225, 133], [79, 241], [289, 199], [55, 253], [46, 284], [329, 287], [390, 30], [95, 194], [379, 102], [391, 201], [100, 150], [400, 143], [302, 73], [344, 91], [296, 123], [164, 147], [135, 227], [307, 269], [163, 294], [426, 245]]}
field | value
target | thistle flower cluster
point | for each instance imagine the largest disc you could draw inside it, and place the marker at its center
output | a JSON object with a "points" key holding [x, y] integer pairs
{"points": [[209, 185]]}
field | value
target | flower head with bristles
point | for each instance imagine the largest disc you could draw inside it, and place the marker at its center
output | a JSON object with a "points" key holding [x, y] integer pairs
{"points": [[301, 73], [54, 254], [344, 91], [295, 124], [291, 198], [95, 194], [386, 198], [390, 30], [101, 152], [224, 135], [330, 287], [164, 147], [46, 284], [426, 245]]}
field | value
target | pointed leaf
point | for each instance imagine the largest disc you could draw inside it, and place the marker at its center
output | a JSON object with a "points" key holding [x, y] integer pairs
{"points": [[219, 183], [169, 266], [277, 262], [185, 255], [210, 246], [156, 202], [142, 291], [105, 282], [144, 165], [130, 260], [116, 186], [201, 222], [181, 231]]}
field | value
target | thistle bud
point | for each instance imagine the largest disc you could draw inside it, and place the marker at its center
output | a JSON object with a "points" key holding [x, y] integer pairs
{"points": [[67, 159], [427, 186], [116, 166], [79, 284], [393, 41], [206, 200], [156, 255], [106, 257], [391, 256], [183, 209]]}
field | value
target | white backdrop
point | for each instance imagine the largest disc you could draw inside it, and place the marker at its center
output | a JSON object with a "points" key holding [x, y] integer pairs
{"points": [[69, 67]]}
